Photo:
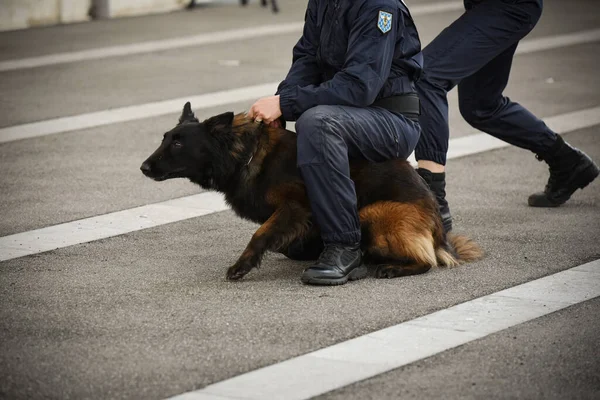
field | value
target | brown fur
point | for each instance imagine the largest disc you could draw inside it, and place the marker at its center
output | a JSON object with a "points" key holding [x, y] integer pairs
{"points": [[466, 249], [255, 167]]}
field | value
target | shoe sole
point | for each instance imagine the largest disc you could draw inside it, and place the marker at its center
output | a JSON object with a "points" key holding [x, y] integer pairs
{"points": [[356, 274], [586, 176]]}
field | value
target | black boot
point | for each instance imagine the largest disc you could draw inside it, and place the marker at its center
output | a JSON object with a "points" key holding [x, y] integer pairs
{"points": [[437, 184], [336, 265], [570, 169]]}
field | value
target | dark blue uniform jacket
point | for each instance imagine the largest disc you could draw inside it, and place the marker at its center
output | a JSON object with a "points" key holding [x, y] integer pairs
{"points": [[348, 55]]}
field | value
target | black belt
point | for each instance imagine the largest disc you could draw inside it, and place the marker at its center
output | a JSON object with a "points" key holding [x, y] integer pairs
{"points": [[407, 104]]}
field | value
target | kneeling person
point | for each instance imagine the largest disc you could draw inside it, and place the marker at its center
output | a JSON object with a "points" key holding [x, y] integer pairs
{"points": [[351, 90]]}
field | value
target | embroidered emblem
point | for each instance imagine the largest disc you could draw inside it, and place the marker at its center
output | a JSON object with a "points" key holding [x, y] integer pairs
{"points": [[385, 22]]}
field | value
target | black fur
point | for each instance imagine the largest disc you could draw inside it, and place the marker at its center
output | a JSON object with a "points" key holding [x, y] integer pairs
{"points": [[255, 167]]}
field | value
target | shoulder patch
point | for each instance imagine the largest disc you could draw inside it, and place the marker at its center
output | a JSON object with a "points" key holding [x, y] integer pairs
{"points": [[384, 22]]}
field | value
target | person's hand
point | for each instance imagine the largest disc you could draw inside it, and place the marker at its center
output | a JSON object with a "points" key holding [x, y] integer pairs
{"points": [[266, 110]]}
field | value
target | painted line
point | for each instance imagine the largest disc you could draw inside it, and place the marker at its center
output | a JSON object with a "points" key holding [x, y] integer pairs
{"points": [[378, 352], [132, 113], [189, 41], [109, 225], [135, 219], [151, 46], [249, 93], [480, 142], [549, 43]]}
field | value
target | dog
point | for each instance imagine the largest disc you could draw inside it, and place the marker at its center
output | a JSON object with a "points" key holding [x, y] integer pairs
{"points": [[254, 166], [274, 7]]}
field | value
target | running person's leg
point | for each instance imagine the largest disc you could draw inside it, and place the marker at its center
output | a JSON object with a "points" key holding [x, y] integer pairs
{"points": [[476, 51]]}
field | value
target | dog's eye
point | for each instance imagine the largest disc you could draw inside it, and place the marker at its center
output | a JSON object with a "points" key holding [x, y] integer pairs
{"points": [[176, 144]]}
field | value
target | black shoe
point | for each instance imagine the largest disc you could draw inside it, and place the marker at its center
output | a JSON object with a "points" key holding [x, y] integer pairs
{"points": [[336, 265], [570, 169], [437, 184], [304, 250]]}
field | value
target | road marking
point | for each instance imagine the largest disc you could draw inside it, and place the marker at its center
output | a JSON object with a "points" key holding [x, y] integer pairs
{"points": [[109, 225], [132, 113], [249, 93], [135, 219], [480, 142], [553, 42], [189, 41], [151, 46], [475, 142], [378, 352]]}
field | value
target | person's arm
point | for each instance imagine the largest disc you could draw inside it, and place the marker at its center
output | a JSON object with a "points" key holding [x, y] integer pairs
{"points": [[305, 70], [366, 68]]}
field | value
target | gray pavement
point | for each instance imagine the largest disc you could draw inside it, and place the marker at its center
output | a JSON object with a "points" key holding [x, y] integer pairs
{"points": [[29, 95], [223, 15], [61, 178], [525, 362], [149, 314], [59, 187]]}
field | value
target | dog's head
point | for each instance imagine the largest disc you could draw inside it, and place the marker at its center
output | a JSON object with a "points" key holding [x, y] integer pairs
{"points": [[189, 149]]}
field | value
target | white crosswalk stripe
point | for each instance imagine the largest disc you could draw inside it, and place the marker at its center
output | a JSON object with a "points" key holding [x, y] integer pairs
{"points": [[357, 359], [120, 222], [71, 302], [135, 112], [188, 41]]}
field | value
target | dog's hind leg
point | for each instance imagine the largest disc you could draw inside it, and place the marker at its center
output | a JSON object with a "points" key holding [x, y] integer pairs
{"points": [[274, 6], [288, 222], [398, 237]]}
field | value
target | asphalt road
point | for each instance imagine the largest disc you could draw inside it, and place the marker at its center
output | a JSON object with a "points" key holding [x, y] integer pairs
{"points": [[149, 314]]}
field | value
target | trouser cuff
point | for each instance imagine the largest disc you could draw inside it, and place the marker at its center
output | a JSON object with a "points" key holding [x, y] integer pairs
{"points": [[348, 238], [431, 155]]}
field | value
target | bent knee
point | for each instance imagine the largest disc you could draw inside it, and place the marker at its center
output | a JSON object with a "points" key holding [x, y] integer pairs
{"points": [[477, 115], [314, 127], [314, 119], [467, 111], [309, 136]]}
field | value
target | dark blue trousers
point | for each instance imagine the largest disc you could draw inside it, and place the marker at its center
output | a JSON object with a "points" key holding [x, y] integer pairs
{"points": [[475, 53], [328, 138]]}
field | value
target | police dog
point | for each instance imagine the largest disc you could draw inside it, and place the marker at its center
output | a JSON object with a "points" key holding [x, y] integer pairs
{"points": [[254, 165]]}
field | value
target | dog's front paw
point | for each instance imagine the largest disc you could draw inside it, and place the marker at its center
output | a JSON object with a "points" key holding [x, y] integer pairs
{"points": [[238, 270]]}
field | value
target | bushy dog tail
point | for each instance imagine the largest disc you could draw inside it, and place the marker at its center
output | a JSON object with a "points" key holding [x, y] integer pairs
{"points": [[465, 248], [460, 249]]}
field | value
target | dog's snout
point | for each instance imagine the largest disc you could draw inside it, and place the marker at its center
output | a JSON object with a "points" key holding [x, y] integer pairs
{"points": [[145, 168]]}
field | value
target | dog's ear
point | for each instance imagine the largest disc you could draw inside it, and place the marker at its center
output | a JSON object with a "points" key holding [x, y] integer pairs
{"points": [[187, 115], [219, 123]]}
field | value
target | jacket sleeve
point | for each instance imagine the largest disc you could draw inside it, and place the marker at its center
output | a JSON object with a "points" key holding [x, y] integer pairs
{"points": [[305, 70], [366, 66]]}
